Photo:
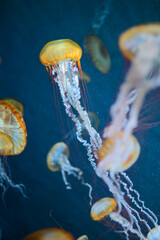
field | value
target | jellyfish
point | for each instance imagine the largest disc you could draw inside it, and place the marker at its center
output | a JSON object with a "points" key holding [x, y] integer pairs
{"points": [[58, 160], [141, 45], [13, 137], [16, 103], [108, 149], [50, 234], [103, 208], [62, 61], [120, 148], [94, 122], [84, 237], [98, 53]]}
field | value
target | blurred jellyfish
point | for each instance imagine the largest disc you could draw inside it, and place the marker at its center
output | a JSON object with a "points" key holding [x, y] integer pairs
{"points": [[50, 234], [154, 234], [141, 45], [62, 61], [84, 237], [94, 122], [57, 160], [85, 77], [13, 138], [16, 103], [108, 149], [98, 53], [121, 149]]}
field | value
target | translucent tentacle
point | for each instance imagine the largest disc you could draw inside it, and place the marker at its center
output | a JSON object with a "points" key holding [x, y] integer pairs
{"points": [[150, 215]]}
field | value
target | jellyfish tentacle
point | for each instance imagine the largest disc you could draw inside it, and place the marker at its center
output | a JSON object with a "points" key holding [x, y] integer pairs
{"points": [[74, 118], [133, 201], [126, 225], [68, 186], [5, 182], [151, 214]]}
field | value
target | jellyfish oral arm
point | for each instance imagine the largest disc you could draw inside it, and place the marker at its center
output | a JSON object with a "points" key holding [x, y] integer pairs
{"points": [[68, 83]]}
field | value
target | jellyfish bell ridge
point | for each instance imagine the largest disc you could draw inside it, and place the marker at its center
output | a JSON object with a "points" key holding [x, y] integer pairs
{"points": [[60, 50], [131, 38], [56, 155], [108, 147], [103, 208], [12, 124]]}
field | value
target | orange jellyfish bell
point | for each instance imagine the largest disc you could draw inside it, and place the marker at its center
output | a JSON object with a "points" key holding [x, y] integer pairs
{"points": [[60, 50], [13, 125], [108, 147], [103, 208], [98, 53], [50, 234], [130, 40]]}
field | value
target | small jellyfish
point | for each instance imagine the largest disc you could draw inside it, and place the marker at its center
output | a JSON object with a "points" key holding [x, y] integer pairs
{"points": [[154, 234], [84, 237], [98, 53], [58, 160], [128, 154], [16, 103], [50, 234], [103, 208], [94, 122]]}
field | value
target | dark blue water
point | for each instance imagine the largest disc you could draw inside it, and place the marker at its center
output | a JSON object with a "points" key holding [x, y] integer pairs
{"points": [[25, 27]]}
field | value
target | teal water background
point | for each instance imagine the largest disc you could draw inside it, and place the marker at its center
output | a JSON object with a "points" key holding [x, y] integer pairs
{"points": [[26, 26]]}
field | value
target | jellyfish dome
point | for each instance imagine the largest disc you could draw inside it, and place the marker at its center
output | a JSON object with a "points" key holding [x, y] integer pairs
{"points": [[50, 234], [120, 163], [154, 234], [84, 237], [131, 39], [103, 208], [13, 125], [57, 156], [60, 50]]}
